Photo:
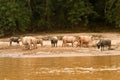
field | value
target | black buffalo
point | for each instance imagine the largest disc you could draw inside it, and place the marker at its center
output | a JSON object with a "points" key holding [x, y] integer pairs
{"points": [[14, 39], [54, 41], [104, 43]]}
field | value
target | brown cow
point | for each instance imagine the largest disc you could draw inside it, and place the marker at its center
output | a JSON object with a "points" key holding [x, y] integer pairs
{"points": [[84, 41], [68, 39]]}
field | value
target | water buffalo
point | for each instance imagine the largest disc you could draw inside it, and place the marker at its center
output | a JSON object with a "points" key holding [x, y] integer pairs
{"points": [[39, 41], [104, 43], [54, 41], [84, 40], [68, 39], [14, 39], [29, 41]]}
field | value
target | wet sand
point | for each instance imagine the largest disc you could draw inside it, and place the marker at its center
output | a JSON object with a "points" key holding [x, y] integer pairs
{"points": [[48, 51]]}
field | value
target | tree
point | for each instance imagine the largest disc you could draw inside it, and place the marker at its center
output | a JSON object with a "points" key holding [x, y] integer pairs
{"points": [[14, 17], [80, 12], [112, 12]]}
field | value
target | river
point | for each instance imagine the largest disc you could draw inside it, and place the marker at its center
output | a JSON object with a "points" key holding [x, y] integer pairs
{"points": [[60, 68]]}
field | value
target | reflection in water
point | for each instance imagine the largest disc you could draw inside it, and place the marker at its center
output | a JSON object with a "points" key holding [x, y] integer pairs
{"points": [[62, 68]]}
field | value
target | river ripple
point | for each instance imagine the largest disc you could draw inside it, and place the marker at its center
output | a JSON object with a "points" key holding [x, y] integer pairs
{"points": [[61, 68]]}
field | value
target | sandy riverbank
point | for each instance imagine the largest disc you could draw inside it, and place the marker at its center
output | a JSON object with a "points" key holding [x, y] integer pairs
{"points": [[48, 51]]}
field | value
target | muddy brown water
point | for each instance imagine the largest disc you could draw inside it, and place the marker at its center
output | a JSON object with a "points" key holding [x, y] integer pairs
{"points": [[60, 68]]}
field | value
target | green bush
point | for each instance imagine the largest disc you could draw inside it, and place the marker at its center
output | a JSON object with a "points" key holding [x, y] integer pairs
{"points": [[14, 17]]}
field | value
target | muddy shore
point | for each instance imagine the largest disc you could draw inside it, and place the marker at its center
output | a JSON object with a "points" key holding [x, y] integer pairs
{"points": [[48, 51]]}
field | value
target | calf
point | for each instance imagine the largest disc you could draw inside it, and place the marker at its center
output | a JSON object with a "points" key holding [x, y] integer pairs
{"points": [[40, 41], [54, 41], [14, 39], [104, 43]]}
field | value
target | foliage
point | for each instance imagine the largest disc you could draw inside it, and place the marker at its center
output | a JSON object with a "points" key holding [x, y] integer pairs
{"points": [[14, 17], [45, 15], [80, 11], [112, 12]]}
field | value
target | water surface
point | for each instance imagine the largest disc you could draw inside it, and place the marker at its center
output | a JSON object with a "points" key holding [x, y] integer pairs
{"points": [[61, 68]]}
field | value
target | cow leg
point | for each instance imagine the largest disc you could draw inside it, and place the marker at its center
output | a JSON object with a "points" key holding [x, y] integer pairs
{"points": [[41, 44], [109, 47], [35, 46], [81, 44], [56, 44], [30, 46], [78, 44], [10, 43], [53, 45], [101, 48], [72, 44], [87, 45], [27, 46], [24, 46], [18, 42]]}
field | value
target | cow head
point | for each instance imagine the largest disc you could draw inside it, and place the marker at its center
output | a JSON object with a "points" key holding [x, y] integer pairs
{"points": [[98, 45]]}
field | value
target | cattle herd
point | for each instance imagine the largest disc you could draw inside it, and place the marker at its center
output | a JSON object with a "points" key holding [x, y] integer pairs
{"points": [[30, 42]]}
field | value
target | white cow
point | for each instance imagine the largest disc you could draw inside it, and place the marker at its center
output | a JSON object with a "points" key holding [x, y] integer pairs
{"points": [[29, 41]]}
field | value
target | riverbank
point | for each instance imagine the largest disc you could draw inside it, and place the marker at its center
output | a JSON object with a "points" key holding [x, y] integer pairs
{"points": [[48, 51]]}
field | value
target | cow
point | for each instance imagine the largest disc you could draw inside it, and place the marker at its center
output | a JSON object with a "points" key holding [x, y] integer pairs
{"points": [[54, 41], [68, 39], [39, 41], [29, 41], [14, 39], [104, 43], [84, 41]]}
